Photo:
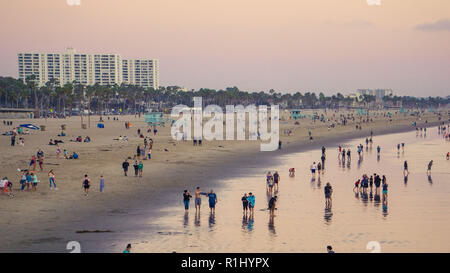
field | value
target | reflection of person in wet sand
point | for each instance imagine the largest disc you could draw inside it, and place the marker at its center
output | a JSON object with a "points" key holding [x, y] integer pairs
{"points": [[271, 224], [197, 219], [385, 206]]}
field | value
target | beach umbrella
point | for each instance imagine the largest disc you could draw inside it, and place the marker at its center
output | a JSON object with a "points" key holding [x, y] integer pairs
{"points": [[30, 126]]}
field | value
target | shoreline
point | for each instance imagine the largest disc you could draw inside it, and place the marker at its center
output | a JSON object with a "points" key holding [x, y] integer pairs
{"points": [[156, 199]]}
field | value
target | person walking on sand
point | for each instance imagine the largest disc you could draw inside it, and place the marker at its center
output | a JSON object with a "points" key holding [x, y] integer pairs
{"points": [[102, 183], [125, 166], [86, 184], [136, 168], [140, 168], [328, 192], [405, 168], [186, 200], [51, 179], [244, 203]]}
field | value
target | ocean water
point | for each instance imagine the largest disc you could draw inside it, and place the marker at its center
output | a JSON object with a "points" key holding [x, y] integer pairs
{"points": [[415, 216]]}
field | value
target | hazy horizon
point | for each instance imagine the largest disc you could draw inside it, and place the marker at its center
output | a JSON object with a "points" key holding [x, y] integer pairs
{"points": [[324, 46]]}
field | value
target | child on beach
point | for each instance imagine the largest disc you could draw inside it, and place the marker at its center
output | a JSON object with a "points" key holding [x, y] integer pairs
{"points": [[125, 166]]}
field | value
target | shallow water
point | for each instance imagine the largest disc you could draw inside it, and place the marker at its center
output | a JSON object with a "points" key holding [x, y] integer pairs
{"points": [[415, 217]]}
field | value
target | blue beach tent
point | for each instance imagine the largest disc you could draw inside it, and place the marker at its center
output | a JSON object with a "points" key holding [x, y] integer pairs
{"points": [[29, 126]]}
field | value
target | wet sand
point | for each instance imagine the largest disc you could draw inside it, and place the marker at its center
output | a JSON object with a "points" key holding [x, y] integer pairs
{"points": [[46, 220], [414, 217]]}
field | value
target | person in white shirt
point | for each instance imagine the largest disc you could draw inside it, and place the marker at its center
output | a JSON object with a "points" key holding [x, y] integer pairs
{"points": [[313, 169]]}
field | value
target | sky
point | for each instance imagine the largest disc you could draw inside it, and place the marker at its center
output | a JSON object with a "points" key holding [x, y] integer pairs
{"points": [[324, 46]]}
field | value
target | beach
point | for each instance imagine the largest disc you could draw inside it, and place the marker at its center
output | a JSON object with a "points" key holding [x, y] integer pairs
{"points": [[45, 220]]}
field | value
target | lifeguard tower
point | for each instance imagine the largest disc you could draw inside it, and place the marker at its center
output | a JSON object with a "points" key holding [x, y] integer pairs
{"points": [[296, 114], [155, 119]]}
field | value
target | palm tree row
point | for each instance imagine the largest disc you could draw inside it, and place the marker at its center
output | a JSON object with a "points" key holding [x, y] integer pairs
{"points": [[126, 98]]}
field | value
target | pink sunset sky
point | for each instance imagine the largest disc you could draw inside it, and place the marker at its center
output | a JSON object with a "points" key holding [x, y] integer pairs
{"points": [[289, 45]]}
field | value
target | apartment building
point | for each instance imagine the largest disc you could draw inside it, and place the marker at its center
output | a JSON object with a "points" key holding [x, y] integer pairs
{"points": [[87, 69]]}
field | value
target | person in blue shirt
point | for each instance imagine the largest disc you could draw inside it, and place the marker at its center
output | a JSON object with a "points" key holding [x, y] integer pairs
{"points": [[212, 200], [251, 202]]}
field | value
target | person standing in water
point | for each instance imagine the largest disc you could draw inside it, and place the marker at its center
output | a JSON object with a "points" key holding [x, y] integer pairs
{"points": [[385, 189], [198, 199], [328, 191], [378, 150], [251, 202], [276, 179], [186, 200], [245, 203], [212, 200], [405, 168]]}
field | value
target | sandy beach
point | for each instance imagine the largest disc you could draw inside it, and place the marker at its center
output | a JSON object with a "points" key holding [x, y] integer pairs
{"points": [[48, 217]]}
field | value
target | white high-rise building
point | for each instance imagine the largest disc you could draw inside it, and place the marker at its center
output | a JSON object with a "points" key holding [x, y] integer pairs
{"points": [[144, 72], [87, 69]]}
